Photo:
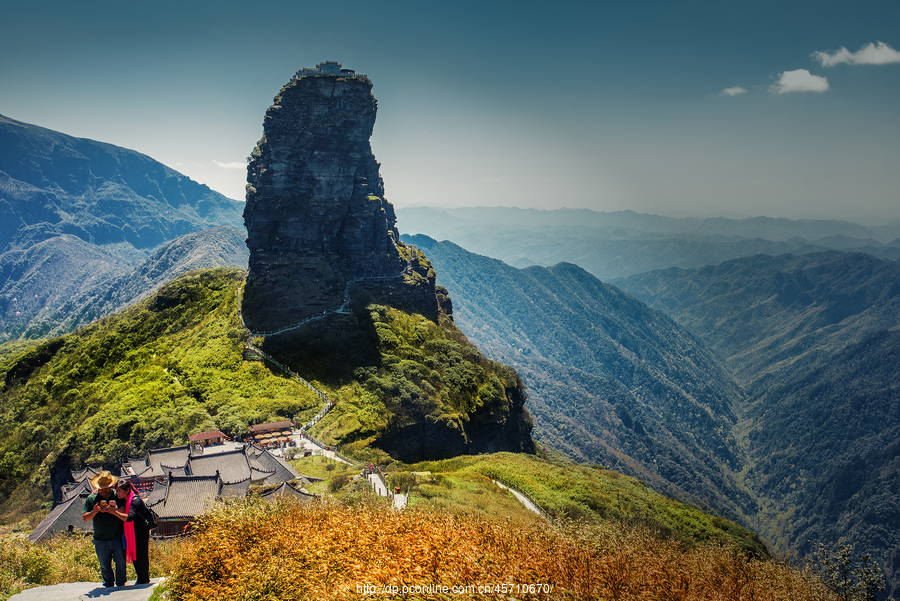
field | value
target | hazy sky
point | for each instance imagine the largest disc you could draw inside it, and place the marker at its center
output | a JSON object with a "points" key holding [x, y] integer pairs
{"points": [[749, 107]]}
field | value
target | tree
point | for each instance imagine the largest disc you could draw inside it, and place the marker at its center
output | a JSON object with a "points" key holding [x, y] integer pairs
{"points": [[850, 579]]}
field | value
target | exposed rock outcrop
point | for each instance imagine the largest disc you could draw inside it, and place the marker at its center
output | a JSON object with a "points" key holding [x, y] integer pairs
{"points": [[316, 216], [328, 275]]}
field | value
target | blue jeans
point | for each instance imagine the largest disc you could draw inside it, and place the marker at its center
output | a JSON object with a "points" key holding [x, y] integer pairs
{"points": [[109, 551]]}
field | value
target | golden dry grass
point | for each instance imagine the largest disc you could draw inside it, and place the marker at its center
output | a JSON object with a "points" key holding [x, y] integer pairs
{"points": [[255, 551], [66, 559]]}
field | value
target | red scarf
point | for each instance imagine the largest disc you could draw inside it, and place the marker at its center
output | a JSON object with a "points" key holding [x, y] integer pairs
{"points": [[130, 544]]}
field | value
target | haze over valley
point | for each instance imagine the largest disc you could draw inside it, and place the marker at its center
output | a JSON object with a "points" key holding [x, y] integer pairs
{"points": [[620, 284]]}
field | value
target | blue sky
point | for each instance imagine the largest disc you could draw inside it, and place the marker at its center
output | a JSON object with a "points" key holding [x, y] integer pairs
{"points": [[603, 105]]}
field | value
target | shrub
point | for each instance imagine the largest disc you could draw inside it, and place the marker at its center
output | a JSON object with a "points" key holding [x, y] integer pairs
{"points": [[338, 482], [347, 547]]}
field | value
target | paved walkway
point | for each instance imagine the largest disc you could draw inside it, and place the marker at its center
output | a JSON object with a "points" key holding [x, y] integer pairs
{"points": [[80, 591], [304, 444], [378, 484], [522, 498]]}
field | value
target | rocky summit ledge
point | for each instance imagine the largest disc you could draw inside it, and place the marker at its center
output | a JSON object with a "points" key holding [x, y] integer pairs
{"points": [[80, 591]]}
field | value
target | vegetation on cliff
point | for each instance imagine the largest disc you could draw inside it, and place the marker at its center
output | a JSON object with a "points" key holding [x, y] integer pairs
{"points": [[142, 379], [412, 387]]}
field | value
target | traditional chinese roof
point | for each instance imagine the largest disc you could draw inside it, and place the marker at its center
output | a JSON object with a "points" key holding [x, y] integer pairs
{"points": [[67, 513], [157, 495], [237, 490], [160, 461], [85, 473], [286, 490], [188, 497], [232, 466], [75, 489], [280, 470], [200, 436], [271, 426]]}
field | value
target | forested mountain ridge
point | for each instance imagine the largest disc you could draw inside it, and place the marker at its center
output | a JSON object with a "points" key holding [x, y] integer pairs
{"points": [[815, 340], [763, 311], [53, 184], [76, 214], [609, 380]]}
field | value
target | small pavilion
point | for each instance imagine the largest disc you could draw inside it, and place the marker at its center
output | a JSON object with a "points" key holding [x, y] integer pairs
{"points": [[206, 438]]}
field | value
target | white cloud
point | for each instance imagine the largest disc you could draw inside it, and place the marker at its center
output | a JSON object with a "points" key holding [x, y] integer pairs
{"points": [[735, 91], [878, 53], [800, 80], [231, 165]]}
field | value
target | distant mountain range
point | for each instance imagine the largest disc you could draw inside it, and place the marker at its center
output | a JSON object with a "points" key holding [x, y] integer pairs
{"points": [[77, 216], [747, 365], [610, 381], [815, 342], [799, 420], [624, 243]]}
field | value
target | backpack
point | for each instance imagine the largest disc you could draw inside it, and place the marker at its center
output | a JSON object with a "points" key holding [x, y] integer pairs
{"points": [[150, 518]]}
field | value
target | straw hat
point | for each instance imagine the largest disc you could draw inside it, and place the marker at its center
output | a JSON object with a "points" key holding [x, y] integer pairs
{"points": [[103, 480]]}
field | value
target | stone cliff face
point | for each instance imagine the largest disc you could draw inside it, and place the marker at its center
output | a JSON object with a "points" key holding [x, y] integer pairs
{"points": [[324, 250], [316, 216]]}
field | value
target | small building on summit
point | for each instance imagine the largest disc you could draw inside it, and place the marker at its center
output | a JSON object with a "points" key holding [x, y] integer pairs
{"points": [[328, 68]]}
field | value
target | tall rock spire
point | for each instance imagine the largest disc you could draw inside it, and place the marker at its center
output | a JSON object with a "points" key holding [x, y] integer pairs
{"points": [[316, 215]]}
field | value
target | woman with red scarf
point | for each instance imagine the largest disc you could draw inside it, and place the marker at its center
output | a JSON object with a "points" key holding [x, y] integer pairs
{"points": [[137, 532]]}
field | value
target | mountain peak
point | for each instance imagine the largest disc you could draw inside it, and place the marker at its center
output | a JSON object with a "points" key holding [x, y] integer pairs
{"points": [[316, 216]]}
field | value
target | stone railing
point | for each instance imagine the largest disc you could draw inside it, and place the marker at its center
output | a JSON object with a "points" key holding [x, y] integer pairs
{"points": [[518, 489]]}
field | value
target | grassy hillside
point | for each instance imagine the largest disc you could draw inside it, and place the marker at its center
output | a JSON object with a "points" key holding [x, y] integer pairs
{"points": [[173, 365], [568, 490], [346, 548], [141, 379]]}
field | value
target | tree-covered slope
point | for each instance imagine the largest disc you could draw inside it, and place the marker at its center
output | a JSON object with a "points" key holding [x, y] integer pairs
{"points": [[99, 192], [610, 380], [763, 313], [815, 341], [76, 214], [63, 283]]}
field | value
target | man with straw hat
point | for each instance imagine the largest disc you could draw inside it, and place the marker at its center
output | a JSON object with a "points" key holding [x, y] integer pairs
{"points": [[101, 508]]}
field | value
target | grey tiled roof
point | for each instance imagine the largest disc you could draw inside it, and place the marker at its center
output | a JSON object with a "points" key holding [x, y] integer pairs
{"points": [[157, 495], [237, 490], [286, 490], [85, 473], [188, 496], [67, 513], [232, 466], [268, 462], [171, 457], [74, 489]]}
